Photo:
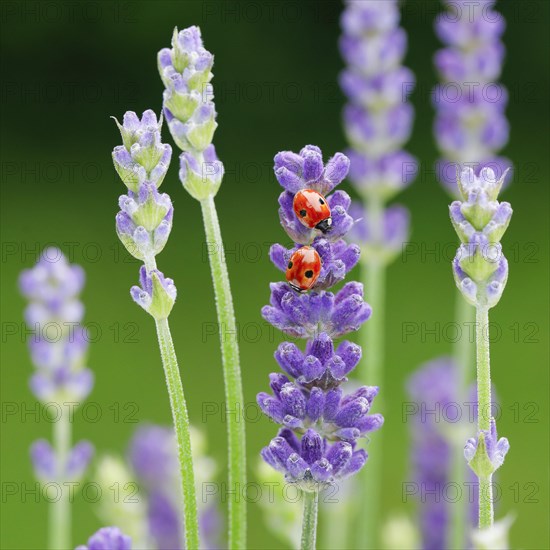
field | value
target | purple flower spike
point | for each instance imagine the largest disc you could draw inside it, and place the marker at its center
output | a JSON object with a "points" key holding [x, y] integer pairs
{"points": [[108, 538], [470, 126], [156, 295], [432, 387], [52, 287], [378, 122], [314, 406]]}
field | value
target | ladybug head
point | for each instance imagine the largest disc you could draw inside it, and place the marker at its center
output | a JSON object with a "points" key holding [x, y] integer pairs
{"points": [[324, 226]]}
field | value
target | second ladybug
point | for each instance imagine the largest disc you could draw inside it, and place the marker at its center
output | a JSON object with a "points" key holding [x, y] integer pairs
{"points": [[312, 210], [303, 269]]}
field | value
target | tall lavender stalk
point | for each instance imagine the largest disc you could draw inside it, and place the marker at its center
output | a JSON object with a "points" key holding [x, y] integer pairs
{"points": [[377, 121], [470, 129], [58, 350], [481, 271], [317, 444], [185, 70], [143, 225]]}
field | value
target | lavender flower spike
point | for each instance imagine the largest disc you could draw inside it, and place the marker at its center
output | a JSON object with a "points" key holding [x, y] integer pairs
{"points": [[108, 538], [143, 226], [52, 287], [377, 120], [322, 426], [186, 71], [481, 271], [470, 126]]}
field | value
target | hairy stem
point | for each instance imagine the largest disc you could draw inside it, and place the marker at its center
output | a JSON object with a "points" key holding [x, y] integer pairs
{"points": [[60, 510], [231, 373], [463, 356], [181, 424], [484, 407], [309, 523]]}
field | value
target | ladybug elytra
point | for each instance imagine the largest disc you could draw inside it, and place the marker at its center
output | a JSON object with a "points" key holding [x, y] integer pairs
{"points": [[312, 210], [303, 269]]}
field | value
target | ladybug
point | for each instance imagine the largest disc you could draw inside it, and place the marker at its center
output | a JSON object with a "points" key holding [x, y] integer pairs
{"points": [[312, 210], [303, 269]]}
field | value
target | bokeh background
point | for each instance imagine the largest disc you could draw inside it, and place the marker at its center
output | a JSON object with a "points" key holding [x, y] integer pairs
{"points": [[67, 67]]}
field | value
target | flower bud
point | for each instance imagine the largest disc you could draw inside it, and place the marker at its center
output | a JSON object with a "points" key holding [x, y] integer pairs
{"points": [[156, 295], [201, 175], [486, 453]]}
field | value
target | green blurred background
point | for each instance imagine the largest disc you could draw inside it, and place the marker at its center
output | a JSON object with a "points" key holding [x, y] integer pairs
{"points": [[68, 66]]}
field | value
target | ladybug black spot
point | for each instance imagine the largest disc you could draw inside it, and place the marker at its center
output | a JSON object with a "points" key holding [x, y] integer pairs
{"points": [[309, 273], [289, 265], [303, 213], [321, 201]]}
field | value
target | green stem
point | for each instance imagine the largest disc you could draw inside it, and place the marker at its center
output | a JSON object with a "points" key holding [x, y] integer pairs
{"points": [[463, 355], [371, 372], [485, 502], [484, 407], [232, 375], [181, 423], [309, 523], [60, 511]]}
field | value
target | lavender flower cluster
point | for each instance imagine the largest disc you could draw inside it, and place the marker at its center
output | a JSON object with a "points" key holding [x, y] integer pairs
{"points": [[471, 125], [145, 219], [58, 349], [321, 425], [377, 121], [186, 71]]}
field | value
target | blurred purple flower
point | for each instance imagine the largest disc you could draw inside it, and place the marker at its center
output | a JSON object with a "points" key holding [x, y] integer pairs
{"points": [[378, 121], [108, 538], [470, 125]]}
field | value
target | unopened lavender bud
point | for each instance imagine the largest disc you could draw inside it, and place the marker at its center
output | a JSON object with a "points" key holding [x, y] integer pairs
{"points": [[156, 295], [196, 134], [201, 174], [145, 220], [131, 173], [142, 157], [486, 453]]}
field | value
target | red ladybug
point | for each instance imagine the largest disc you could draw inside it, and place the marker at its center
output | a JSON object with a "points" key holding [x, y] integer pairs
{"points": [[303, 269], [312, 210]]}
